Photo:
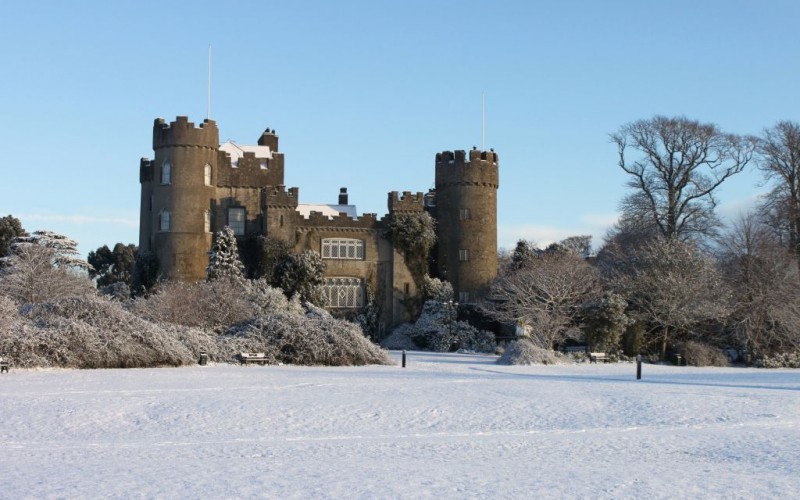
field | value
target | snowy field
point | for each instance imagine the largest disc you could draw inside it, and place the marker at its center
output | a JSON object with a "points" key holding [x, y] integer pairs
{"points": [[448, 426]]}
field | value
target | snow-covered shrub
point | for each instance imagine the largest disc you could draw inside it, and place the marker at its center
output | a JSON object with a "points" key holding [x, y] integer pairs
{"points": [[525, 352], [301, 340], [400, 338], [785, 360], [218, 303], [435, 289], [268, 299], [118, 290], [213, 304], [697, 354], [439, 330], [9, 315], [96, 332]]}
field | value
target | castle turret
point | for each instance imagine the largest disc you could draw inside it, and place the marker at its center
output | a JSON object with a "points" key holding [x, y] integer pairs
{"points": [[465, 209], [177, 190]]}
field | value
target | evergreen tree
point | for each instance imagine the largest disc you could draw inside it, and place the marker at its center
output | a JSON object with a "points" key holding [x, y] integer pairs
{"points": [[10, 228], [302, 275], [112, 266], [223, 259]]}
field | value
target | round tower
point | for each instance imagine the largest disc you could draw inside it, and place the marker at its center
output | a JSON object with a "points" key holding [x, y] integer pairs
{"points": [[466, 216], [181, 185]]}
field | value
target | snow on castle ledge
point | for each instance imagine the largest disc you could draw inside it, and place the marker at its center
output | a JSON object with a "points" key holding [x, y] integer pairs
{"points": [[329, 211]]}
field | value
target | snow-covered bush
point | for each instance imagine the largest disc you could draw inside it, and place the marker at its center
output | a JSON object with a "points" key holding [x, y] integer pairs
{"points": [[400, 338], [785, 360], [697, 354], [213, 304], [96, 332], [218, 303], [435, 289], [439, 330], [525, 352], [301, 340]]}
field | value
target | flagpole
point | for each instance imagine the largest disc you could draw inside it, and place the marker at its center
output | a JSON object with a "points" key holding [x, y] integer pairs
{"points": [[483, 122], [208, 102]]}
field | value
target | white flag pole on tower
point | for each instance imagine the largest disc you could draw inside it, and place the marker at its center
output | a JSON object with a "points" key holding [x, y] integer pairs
{"points": [[208, 102], [483, 122]]}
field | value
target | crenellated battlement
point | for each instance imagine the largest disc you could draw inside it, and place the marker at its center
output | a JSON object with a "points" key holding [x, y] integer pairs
{"points": [[182, 132], [460, 157], [279, 196], [249, 170], [408, 202], [342, 221], [477, 168]]}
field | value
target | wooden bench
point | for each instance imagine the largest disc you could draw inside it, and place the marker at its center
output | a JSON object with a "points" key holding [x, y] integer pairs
{"points": [[594, 357], [253, 357], [3, 365]]}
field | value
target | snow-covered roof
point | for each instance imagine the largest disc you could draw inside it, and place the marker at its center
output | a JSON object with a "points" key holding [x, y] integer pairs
{"points": [[329, 211], [236, 151]]}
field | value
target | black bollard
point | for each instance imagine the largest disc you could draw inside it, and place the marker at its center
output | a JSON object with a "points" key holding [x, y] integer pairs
{"points": [[639, 367], [404, 358]]}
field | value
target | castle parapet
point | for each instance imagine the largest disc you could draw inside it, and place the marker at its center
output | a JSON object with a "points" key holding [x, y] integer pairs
{"points": [[182, 132], [406, 203], [459, 158], [479, 168], [279, 196], [342, 221]]}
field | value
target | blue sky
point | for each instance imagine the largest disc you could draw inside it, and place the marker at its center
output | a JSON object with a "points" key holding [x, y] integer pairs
{"points": [[364, 93]]}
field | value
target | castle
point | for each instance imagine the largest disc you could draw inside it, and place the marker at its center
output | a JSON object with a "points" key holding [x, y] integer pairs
{"points": [[194, 186]]}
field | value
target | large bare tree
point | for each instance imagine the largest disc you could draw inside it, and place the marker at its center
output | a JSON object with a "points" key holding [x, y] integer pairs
{"points": [[765, 316], [672, 287], [545, 293], [675, 166], [779, 160]]}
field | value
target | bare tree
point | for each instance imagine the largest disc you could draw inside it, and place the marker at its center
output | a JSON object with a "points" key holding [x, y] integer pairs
{"points": [[679, 164], [673, 287], [545, 294], [779, 161], [765, 316], [30, 276]]}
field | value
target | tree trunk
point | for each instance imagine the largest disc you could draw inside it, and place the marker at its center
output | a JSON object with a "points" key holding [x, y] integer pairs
{"points": [[664, 344]]}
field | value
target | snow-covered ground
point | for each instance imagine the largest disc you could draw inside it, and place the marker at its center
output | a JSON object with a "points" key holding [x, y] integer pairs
{"points": [[447, 426]]}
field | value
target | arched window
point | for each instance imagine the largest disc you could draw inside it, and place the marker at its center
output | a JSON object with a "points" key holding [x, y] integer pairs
{"points": [[207, 221], [166, 172], [163, 220], [207, 174]]}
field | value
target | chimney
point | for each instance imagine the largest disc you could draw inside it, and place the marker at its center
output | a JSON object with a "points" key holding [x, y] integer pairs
{"points": [[343, 196], [269, 139]]}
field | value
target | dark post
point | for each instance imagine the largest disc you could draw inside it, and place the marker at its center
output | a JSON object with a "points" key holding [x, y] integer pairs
{"points": [[638, 367], [404, 358]]}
